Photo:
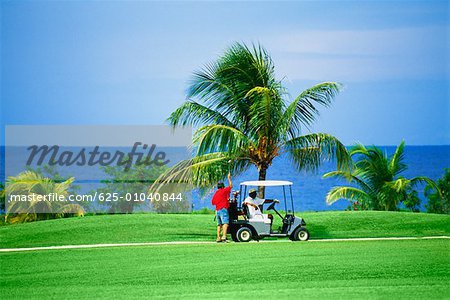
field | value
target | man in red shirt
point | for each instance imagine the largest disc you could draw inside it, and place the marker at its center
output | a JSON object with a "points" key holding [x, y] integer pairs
{"points": [[220, 201]]}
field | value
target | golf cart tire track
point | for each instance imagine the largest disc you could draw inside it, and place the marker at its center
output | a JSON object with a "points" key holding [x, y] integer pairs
{"points": [[90, 246]]}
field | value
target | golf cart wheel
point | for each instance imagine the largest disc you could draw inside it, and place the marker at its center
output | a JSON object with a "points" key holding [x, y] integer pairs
{"points": [[244, 234], [301, 234], [234, 237]]}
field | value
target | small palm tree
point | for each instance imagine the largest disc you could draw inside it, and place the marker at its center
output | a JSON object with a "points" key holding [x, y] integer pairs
{"points": [[244, 117], [30, 183], [439, 200], [379, 185]]}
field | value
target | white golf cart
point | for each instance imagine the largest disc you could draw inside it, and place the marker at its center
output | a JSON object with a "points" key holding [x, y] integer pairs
{"points": [[243, 228]]}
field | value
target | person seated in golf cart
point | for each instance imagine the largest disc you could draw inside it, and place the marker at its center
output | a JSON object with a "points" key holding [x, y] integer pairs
{"points": [[253, 204]]}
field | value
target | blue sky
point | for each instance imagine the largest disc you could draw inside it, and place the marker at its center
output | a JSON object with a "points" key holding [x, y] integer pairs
{"points": [[129, 62]]}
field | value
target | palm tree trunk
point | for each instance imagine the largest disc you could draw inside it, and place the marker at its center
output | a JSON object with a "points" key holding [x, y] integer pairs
{"points": [[262, 176]]}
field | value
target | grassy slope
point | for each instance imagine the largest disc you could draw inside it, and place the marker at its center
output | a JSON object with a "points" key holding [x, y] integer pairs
{"points": [[154, 227], [415, 269]]}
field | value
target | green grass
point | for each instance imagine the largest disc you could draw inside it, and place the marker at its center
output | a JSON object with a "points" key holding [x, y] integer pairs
{"points": [[407, 269], [357, 269], [196, 227]]}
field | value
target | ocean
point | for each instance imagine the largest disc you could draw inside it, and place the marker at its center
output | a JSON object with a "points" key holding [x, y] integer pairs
{"points": [[309, 189]]}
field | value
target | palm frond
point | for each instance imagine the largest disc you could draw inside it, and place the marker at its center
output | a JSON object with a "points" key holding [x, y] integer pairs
{"points": [[373, 166], [303, 111], [309, 151], [425, 180], [192, 113], [34, 185], [76, 209], [203, 171], [220, 138], [266, 110], [205, 85], [351, 178], [358, 149], [222, 86], [397, 165], [349, 193]]}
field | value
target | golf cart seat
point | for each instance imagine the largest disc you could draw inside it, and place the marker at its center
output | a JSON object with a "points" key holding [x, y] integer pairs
{"points": [[245, 211], [262, 218]]}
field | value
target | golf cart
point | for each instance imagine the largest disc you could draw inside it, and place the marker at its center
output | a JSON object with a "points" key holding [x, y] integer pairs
{"points": [[243, 228]]}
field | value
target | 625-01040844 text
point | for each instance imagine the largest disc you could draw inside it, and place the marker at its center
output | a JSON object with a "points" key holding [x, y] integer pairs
{"points": [[139, 197]]}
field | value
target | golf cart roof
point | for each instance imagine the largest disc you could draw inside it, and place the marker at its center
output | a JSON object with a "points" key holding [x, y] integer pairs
{"points": [[266, 183]]}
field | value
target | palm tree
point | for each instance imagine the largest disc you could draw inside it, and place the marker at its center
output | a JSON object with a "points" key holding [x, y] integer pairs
{"points": [[243, 117], [439, 199], [379, 185], [30, 183]]}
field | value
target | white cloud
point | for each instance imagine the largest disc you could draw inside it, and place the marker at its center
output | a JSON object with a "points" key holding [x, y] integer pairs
{"points": [[355, 55], [339, 55]]}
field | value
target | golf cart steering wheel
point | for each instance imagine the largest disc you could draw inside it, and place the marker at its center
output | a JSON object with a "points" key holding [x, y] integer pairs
{"points": [[271, 206]]}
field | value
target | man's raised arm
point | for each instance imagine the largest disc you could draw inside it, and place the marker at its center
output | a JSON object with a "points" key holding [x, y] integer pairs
{"points": [[230, 184]]}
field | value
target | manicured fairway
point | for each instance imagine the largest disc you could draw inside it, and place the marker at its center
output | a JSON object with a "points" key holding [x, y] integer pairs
{"points": [[187, 227], [408, 269]]}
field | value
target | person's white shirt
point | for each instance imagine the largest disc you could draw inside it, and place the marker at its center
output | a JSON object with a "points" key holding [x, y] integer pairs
{"points": [[254, 213]]}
